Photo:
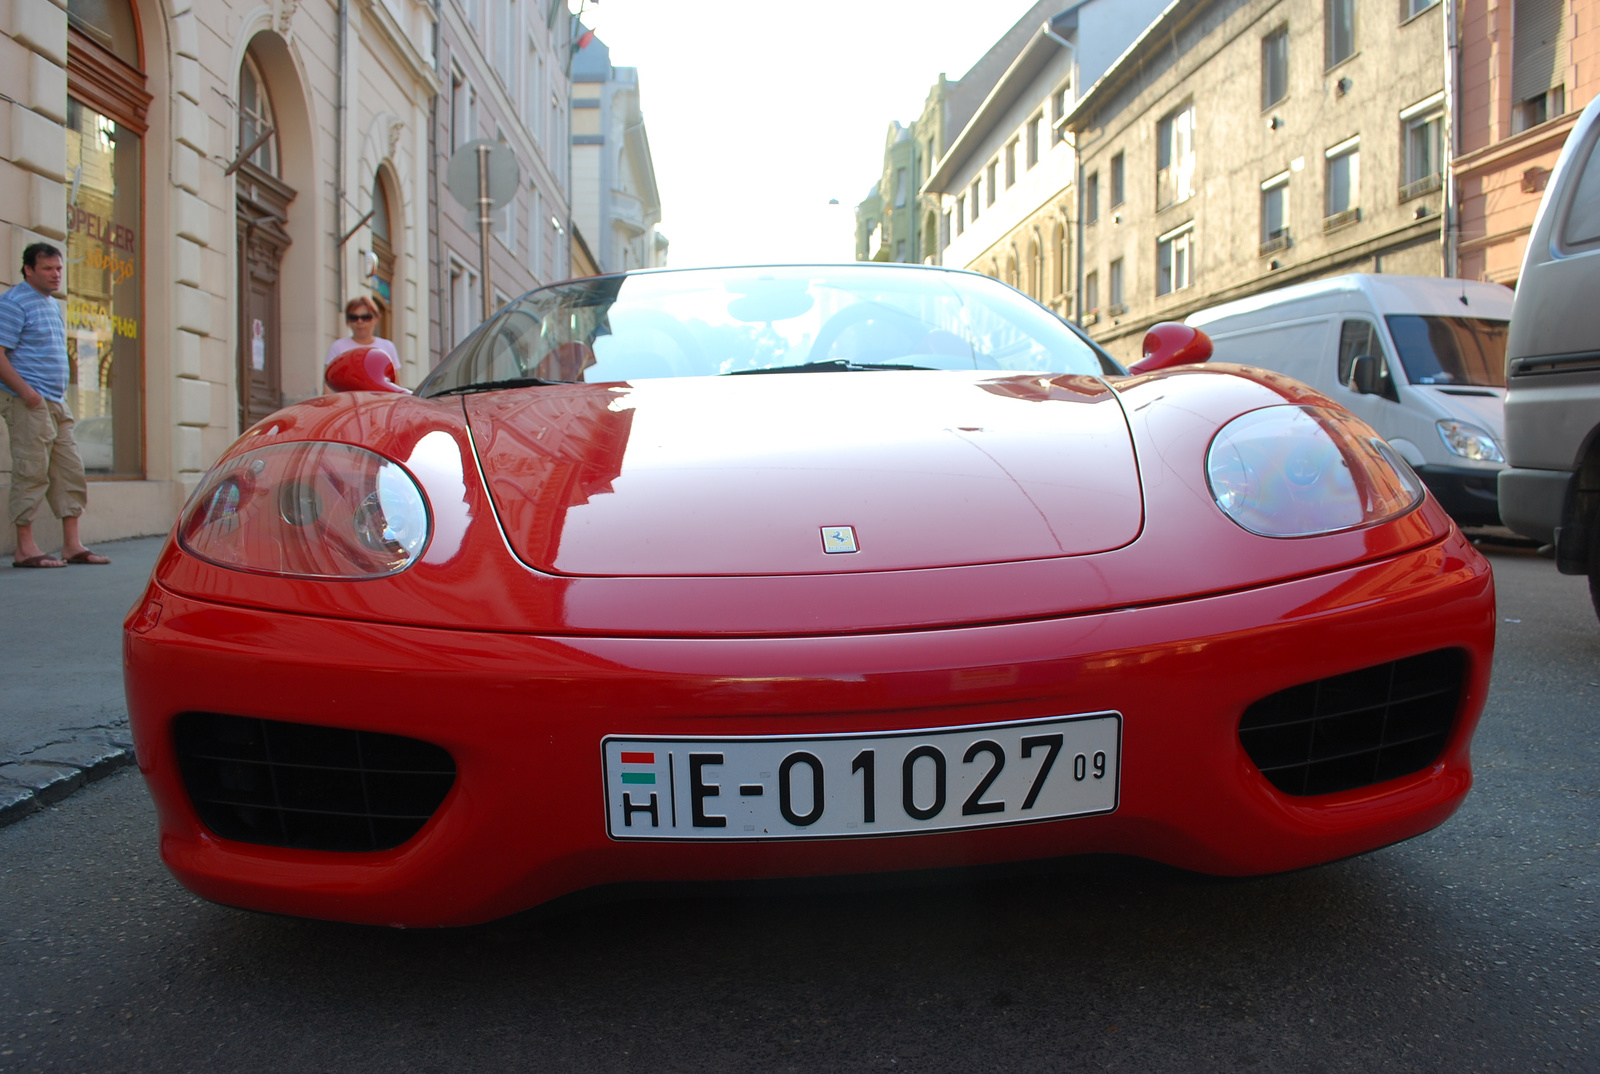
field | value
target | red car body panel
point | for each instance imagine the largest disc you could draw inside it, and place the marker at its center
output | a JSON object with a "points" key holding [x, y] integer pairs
{"points": [[519, 672]]}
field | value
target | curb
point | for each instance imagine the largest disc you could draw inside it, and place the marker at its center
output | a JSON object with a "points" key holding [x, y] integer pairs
{"points": [[45, 775]]}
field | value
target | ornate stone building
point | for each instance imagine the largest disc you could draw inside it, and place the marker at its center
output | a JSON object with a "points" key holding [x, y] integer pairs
{"points": [[222, 176]]}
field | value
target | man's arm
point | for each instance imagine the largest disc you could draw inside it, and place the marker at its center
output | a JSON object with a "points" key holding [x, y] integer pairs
{"points": [[13, 380]]}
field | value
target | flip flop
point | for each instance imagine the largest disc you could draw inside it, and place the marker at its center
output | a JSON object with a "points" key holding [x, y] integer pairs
{"points": [[87, 556], [43, 559]]}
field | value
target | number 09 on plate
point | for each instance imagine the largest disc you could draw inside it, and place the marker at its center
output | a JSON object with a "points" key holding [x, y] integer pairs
{"points": [[846, 786]]}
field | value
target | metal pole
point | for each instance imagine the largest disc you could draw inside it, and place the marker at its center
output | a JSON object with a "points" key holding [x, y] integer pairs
{"points": [[1450, 227], [484, 202]]}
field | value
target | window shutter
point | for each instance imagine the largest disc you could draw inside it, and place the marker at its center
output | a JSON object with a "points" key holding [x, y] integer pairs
{"points": [[1538, 51]]}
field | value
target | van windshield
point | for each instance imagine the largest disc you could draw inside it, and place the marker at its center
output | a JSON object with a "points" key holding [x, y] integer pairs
{"points": [[1451, 350]]}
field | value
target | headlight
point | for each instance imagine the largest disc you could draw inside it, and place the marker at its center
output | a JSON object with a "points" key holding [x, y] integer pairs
{"points": [[1297, 471], [1469, 441], [311, 510]]}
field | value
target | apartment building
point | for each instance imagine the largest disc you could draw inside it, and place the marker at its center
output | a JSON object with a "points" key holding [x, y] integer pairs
{"points": [[1007, 184], [616, 204], [1241, 145], [899, 219], [1527, 68], [503, 76]]}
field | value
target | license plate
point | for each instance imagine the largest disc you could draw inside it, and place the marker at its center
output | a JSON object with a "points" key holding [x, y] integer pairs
{"points": [[842, 786]]}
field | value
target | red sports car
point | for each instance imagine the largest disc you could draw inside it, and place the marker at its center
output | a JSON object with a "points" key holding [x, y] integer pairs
{"points": [[774, 572]]}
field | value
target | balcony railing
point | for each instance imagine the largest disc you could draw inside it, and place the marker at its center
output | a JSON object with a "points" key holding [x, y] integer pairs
{"points": [[1339, 220], [1277, 242]]}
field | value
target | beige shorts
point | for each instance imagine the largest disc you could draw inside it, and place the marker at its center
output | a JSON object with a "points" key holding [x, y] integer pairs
{"points": [[45, 466]]}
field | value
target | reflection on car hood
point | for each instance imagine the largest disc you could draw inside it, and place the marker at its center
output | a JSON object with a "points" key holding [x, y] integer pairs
{"points": [[740, 475]]}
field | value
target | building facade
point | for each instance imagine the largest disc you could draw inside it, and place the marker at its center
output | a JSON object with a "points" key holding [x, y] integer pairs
{"points": [[503, 76], [204, 165], [1527, 68], [1241, 145], [615, 203], [1006, 187], [899, 219]]}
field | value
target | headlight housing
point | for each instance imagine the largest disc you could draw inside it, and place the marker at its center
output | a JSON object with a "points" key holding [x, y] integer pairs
{"points": [[308, 510], [1469, 441], [1301, 471]]}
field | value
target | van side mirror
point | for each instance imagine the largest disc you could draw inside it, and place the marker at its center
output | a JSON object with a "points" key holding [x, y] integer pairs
{"points": [[1364, 374], [1170, 343], [363, 369]]}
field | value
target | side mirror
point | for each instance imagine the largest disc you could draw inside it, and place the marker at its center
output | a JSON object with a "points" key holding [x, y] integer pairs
{"points": [[364, 369], [1170, 343], [1364, 374]]}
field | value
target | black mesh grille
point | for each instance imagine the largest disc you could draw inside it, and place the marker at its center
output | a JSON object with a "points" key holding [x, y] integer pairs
{"points": [[314, 788], [1356, 729]]}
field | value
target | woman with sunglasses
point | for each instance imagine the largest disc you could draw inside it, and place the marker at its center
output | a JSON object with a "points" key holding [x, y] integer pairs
{"points": [[361, 314]]}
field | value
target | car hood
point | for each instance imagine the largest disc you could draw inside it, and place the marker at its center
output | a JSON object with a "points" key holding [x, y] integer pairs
{"points": [[741, 475]]}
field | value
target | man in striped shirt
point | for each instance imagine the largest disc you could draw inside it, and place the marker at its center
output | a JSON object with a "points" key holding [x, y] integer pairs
{"points": [[45, 466]]}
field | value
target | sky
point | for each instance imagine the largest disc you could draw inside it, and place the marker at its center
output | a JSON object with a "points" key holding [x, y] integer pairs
{"points": [[760, 112]]}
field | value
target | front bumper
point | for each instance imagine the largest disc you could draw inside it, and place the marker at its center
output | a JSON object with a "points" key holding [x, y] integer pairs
{"points": [[523, 716], [1470, 496]]}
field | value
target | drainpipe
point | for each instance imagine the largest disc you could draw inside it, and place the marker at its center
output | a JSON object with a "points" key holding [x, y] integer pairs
{"points": [[1450, 226], [1077, 163], [1077, 286], [338, 156]]}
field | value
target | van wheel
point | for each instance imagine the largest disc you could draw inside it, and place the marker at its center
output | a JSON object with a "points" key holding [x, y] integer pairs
{"points": [[1594, 567]]}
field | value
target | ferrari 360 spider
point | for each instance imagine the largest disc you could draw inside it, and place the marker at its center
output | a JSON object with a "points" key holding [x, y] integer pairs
{"points": [[778, 572]]}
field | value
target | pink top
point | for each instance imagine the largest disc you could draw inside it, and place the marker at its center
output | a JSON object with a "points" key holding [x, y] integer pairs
{"points": [[347, 344]]}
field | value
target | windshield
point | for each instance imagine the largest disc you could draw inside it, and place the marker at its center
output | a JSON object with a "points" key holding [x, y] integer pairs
{"points": [[711, 322], [1451, 350]]}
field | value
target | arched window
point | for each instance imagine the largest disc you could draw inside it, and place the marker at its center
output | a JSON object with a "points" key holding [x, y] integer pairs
{"points": [[1011, 268], [1035, 268], [1058, 261], [255, 118], [383, 251]]}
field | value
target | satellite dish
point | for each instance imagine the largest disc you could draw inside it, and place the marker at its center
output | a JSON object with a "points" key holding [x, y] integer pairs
{"points": [[461, 175]]}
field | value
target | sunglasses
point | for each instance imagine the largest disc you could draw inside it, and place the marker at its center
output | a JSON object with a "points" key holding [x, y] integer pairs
{"points": [[358, 317]]}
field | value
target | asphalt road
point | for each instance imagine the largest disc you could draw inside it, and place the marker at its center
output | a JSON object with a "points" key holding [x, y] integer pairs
{"points": [[1474, 947]]}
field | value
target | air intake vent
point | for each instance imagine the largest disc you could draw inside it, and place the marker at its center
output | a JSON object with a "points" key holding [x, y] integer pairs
{"points": [[1356, 729], [313, 788]]}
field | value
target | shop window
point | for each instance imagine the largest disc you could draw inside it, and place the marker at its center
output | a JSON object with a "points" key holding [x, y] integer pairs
{"points": [[106, 119]]}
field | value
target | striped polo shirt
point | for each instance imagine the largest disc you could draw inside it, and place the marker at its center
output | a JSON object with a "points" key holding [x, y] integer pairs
{"points": [[32, 330]]}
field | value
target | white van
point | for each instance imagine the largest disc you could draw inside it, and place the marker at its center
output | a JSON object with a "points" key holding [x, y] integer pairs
{"points": [[1442, 404]]}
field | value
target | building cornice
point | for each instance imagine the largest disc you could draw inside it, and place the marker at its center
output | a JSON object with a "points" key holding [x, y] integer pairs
{"points": [[418, 67], [1541, 139], [1033, 58]]}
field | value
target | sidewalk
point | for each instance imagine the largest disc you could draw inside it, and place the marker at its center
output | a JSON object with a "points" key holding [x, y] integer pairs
{"points": [[63, 720]]}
